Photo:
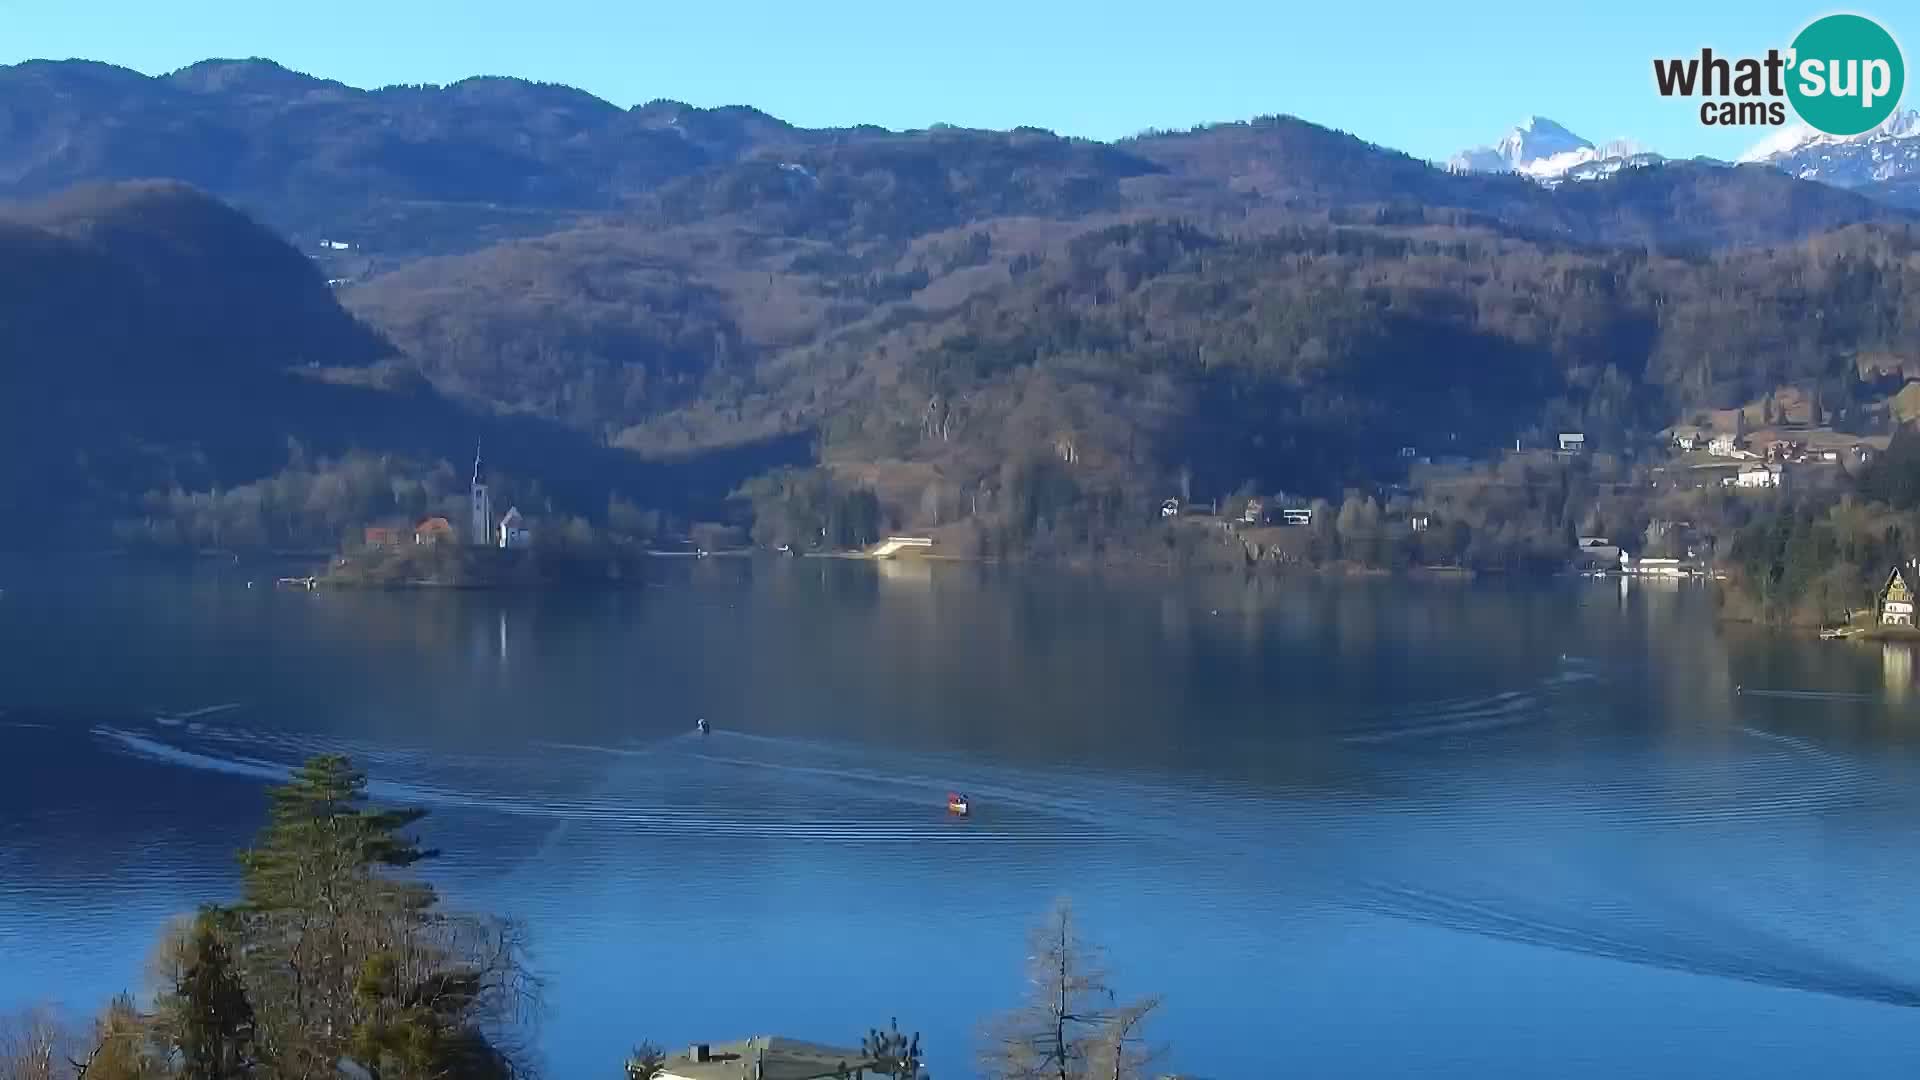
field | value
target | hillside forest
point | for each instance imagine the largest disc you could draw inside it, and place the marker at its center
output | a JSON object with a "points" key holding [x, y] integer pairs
{"points": [[664, 319]]}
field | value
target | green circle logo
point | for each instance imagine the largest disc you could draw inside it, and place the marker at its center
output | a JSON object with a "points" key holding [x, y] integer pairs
{"points": [[1847, 74]]}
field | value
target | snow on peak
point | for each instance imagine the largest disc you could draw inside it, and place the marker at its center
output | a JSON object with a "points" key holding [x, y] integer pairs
{"points": [[1537, 138], [1546, 151], [1902, 124]]}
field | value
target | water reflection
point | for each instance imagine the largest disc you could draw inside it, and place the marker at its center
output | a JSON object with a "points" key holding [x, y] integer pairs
{"points": [[1896, 661]]}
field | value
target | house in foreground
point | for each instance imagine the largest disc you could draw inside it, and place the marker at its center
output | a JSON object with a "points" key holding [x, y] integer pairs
{"points": [[767, 1057]]}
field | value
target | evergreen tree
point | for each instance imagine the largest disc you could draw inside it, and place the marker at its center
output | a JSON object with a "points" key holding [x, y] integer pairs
{"points": [[209, 1019], [320, 837], [344, 962]]}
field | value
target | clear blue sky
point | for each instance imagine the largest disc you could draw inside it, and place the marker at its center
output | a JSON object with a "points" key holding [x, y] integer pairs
{"points": [[1426, 76]]}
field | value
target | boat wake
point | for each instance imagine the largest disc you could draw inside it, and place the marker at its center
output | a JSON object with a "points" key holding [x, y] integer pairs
{"points": [[1809, 695], [1717, 950], [1481, 853], [1446, 720]]}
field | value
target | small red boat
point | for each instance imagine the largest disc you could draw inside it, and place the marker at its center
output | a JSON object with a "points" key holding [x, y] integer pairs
{"points": [[957, 804]]}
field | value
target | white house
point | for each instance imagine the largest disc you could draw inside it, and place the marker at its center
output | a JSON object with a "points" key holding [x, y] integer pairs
{"points": [[1896, 600], [1299, 515], [1760, 476], [1721, 446], [513, 531], [1572, 442], [1170, 508]]}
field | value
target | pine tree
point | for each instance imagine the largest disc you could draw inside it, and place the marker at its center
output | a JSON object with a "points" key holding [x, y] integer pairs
{"points": [[346, 962], [209, 1018], [320, 836]]}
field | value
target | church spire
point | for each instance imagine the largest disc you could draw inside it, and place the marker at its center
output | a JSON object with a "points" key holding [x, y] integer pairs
{"points": [[480, 504]]}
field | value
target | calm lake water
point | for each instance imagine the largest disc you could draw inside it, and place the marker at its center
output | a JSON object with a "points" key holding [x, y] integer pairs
{"points": [[1348, 830]]}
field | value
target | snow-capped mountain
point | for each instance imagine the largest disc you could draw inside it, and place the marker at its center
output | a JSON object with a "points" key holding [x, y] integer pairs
{"points": [[1534, 139], [1549, 153], [1888, 152]]}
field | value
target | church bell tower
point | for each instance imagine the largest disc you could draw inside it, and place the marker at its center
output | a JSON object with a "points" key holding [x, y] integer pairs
{"points": [[480, 529]]}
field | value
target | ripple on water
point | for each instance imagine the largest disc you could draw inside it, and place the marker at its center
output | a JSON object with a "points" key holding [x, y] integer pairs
{"points": [[1517, 848]]}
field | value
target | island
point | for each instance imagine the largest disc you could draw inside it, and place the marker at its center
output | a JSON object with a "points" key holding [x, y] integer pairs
{"points": [[456, 566]]}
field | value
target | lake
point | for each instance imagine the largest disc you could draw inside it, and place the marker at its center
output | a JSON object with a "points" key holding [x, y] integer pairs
{"points": [[1345, 828]]}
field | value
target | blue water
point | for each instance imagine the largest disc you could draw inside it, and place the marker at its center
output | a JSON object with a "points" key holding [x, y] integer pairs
{"points": [[1345, 829]]}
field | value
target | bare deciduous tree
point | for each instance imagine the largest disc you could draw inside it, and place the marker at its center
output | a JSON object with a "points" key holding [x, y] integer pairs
{"points": [[34, 1045], [1070, 1027], [1119, 1052]]}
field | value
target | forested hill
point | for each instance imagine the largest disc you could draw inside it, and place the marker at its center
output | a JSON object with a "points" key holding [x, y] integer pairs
{"points": [[1304, 359], [593, 288], [153, 339], [144, 270]]}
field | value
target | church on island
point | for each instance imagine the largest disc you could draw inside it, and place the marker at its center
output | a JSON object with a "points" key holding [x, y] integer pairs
{"points": [[509, 531]]}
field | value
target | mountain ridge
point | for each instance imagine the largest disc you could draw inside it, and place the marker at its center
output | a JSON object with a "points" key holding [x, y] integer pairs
{"points": [[1887, 153], [412, 170]]}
